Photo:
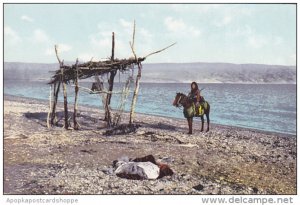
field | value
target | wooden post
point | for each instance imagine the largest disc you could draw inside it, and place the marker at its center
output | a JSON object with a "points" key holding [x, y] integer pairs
{"points": [[66, 125], [55, 97], [112, 73], [49, 112], [65, 99], [113, 46], [76, 125], [138, 77], [111, 85], [135, 94]]}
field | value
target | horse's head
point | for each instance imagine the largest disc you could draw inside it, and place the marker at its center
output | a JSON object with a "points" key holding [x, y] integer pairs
{"points": [[178, 99]]}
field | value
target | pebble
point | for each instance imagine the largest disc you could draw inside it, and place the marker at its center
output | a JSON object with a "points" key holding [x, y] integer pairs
{"points": [[223, 148], [199, 187]]}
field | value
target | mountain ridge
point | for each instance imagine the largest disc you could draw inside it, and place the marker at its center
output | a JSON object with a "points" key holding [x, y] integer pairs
{"points": [[175, 72]]}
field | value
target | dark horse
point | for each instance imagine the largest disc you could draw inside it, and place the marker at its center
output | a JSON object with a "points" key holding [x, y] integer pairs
{"points": [[189, 110]]}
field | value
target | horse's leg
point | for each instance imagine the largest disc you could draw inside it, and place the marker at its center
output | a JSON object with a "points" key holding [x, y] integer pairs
{"points": [[207, 118], [190, 122], [191, 126], [202, 123]]}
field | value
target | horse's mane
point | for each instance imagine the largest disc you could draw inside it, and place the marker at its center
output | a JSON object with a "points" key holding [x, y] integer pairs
{"points": [[182, 94]]}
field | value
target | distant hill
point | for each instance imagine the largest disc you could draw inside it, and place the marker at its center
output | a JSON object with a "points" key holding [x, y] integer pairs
{"points": [[28, 71], [176, 72], [219, 73]]}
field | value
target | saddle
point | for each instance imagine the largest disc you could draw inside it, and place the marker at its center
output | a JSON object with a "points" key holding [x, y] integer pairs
{"points": [[191, 111], [201, 109]]}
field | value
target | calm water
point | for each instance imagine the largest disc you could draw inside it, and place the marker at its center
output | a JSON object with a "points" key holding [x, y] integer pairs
{"points": [[264, 107]]}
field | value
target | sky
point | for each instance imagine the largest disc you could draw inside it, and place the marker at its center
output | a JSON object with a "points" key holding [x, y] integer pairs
{"points": [[229, 33]]}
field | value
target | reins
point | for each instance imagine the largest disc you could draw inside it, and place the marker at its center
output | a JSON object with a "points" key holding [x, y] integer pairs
{"points": [[178, 103]]}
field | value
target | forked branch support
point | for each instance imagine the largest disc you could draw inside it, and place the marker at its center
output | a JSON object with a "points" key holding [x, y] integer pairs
{"points": [[78, 71]]}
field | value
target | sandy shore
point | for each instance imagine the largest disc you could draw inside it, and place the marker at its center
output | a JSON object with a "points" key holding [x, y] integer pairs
{"points": [[226, 160]]}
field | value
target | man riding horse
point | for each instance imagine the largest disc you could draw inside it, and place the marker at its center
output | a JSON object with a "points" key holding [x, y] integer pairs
{"points": [[193, 105], [196, 97]]}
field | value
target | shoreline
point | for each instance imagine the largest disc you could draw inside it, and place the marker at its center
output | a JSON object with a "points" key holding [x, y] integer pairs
{"points": [[187, 82], [14, 97], [226, 160]]}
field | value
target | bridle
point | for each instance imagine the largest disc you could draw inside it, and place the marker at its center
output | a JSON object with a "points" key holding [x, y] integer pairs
{"points": [[178, 105]]}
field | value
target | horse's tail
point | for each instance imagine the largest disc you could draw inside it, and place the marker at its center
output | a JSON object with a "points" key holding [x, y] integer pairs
{"points": [[208, 108]]}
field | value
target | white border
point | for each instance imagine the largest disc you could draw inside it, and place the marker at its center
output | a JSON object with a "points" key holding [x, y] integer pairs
{"points": [[132, 199]]}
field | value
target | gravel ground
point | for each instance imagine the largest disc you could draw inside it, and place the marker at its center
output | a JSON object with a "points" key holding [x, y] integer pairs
{"points": [[226, 160]]}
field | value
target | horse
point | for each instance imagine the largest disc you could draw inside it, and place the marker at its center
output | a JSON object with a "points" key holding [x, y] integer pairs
{"points": [[189, 110]]}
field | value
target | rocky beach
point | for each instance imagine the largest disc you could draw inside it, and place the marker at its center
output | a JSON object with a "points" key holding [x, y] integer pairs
{"points": [[225, 160]]}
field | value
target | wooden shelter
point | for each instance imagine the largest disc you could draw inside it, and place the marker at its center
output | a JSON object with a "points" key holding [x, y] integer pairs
{"points": [[67, 74]]}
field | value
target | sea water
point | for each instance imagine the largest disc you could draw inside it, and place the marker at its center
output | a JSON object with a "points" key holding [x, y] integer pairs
{"points": [[269, 107]]}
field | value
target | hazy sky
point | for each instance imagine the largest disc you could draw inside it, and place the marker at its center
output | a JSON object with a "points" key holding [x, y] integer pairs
{"points": [[244, 33]]}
